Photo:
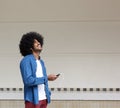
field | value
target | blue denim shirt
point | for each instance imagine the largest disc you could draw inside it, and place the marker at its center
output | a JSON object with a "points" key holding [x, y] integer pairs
{"points": [[28, 68]]}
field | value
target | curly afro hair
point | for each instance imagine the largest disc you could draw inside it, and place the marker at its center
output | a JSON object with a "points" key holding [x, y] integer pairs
{"points": [[27, 41]]}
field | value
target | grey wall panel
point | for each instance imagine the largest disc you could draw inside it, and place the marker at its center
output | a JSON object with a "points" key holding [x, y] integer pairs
{"points": [[87, 54]]}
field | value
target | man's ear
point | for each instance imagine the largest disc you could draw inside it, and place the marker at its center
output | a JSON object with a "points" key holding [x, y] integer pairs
{"points": [[31, 49]]}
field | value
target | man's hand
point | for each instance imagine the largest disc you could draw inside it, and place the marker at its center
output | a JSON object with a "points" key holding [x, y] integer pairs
{"points": [[52, 77]]}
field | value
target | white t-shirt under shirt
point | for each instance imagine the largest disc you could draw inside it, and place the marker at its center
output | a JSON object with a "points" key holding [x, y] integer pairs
{"points": [[41, 89]]}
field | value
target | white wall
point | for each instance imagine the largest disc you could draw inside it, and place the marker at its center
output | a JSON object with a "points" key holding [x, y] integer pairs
{"points": [[82, 40]]}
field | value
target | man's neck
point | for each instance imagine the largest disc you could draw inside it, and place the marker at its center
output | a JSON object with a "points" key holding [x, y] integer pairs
{"points": [[36, 55]]}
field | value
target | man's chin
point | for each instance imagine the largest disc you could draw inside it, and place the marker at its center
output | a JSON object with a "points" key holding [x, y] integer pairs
{"points": [[38, 51]]}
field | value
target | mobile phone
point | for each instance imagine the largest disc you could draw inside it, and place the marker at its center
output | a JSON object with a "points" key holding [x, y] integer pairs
{"points": [[58, 75]]}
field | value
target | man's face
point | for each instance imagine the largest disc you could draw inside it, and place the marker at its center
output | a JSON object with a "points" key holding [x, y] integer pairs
{"points": [[37, 46]]}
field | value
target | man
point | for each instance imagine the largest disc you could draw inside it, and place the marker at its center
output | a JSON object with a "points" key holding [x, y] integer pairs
{"points": [[33, 72]]}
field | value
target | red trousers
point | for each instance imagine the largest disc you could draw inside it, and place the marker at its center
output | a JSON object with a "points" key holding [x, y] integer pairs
{"points": [[42, 104]]}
